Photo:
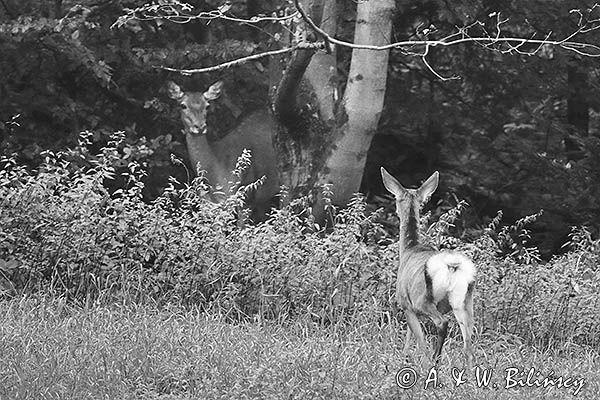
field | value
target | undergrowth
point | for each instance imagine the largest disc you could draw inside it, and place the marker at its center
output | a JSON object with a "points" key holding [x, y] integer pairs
{"points": [[62, 232]]}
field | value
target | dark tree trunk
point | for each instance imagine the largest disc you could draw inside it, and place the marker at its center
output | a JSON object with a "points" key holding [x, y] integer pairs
{"points": [[577, 100], [58, 9], [301, 94], [577, 110]]}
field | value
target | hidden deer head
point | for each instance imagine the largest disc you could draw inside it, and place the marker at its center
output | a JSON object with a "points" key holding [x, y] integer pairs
{"points": [[218, 156], [194, 105]]}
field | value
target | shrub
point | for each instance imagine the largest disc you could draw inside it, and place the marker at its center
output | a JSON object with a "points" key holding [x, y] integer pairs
{"points": [[63, 232]]}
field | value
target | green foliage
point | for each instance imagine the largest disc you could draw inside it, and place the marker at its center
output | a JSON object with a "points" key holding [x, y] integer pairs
{"points": [[63, 232], [500, 133], [69, 66]]}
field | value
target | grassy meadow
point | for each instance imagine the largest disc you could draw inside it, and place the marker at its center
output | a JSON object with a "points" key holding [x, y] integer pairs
{"points": [[52, 350], [106, 296]]}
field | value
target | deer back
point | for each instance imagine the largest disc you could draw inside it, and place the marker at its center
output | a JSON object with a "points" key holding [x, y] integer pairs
{"points": [[411, 275], [255, 133]]}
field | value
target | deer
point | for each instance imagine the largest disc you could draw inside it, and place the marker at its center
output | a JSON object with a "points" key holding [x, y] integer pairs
{"points": [[218, 158], [430, 283]]}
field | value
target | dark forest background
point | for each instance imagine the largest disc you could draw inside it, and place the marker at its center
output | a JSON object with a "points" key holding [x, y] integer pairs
{"points": [[517, 133]]}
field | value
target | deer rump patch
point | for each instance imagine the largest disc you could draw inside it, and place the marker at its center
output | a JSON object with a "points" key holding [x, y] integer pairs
{"points": [[451, 274]]}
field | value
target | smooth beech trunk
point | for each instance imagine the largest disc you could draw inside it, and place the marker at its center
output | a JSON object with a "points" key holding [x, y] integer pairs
{"points": [[362, 102]]}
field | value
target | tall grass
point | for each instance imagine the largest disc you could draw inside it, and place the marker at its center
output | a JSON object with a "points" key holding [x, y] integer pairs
{"points": [[62, 232], [51, 348]]}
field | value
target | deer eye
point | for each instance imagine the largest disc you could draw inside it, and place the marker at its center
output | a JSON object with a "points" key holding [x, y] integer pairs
{"points": [[183, 106]]}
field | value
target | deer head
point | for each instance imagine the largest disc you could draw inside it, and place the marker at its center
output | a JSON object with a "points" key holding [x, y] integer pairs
{"points": [[194, 105], [410, 197], [409, 203]]}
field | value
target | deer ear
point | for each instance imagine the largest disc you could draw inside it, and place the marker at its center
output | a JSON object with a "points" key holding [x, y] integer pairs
{"points": [[174, 90], [391, 183], [428, 187], [214, 91]]}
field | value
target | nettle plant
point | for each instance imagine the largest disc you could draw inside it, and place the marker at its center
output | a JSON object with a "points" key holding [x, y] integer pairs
{"points": [[64, 232]]}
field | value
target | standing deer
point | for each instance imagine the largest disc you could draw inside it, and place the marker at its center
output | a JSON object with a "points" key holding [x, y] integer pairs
{"points": [[430, 283], [219, 157]]}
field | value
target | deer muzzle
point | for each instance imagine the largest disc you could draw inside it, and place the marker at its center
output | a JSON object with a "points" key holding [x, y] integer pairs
{"points": [[198, 130]]}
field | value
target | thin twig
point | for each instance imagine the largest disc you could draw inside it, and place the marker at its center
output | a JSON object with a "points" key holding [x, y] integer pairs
{"points": [[419, 48], [243, 59], [151, 12]]}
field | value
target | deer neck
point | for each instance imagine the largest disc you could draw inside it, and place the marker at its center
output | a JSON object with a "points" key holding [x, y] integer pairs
{"points": [[202, 151], [409, 230]]}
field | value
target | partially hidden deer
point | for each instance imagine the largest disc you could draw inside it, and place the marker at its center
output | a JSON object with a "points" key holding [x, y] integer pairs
{"points": [[430, 283], [218, 158]]}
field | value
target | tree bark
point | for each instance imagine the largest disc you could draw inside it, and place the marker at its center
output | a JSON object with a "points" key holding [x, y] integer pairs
{"points": [[317, 142], [577, 109], [363, 101], [300, 138], [322, 70], [58, 9], [577, 100], [286, 94]]}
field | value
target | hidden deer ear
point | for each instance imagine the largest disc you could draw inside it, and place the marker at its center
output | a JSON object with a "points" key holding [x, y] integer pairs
{"points": [[391, 183], [174, 90], [428, 187], [214, 91]]}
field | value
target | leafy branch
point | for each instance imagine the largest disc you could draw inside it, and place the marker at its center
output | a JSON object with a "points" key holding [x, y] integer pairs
{"points": [[476, 32], [181, 13]]}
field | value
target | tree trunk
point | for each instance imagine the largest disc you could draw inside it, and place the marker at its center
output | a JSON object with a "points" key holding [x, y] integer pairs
{"points": [[58, 9], [322, 70], [300, 94], [316, 142], [363, 101], [577, 110], [577, 100]]}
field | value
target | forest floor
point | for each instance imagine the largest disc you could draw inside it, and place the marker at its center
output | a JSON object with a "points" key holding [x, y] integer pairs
{"points": [[49, 349]]}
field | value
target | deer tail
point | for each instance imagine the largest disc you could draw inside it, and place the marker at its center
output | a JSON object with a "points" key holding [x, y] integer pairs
{"points": [[451, 275]]}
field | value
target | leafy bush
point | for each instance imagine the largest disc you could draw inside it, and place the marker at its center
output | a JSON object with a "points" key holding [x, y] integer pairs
{"points": [[63, 232]]}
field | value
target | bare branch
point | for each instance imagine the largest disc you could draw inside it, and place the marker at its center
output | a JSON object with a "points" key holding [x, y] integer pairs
{"points": [[466, 38], [317, 45], [179, 12], [433, 71], [492, 42]]}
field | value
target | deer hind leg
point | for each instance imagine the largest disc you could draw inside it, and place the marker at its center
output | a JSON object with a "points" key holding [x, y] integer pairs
{"points": [[407, 339], [441, 324], [464, 316], [414, 327]]}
